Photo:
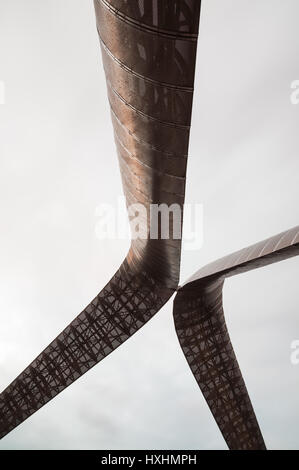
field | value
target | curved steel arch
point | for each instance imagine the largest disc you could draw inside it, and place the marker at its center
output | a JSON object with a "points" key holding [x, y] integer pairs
{"points": [[149, 51], [204, 338]]}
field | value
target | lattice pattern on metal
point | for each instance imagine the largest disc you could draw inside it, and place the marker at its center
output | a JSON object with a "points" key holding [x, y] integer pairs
{"points": [[203, 336]]}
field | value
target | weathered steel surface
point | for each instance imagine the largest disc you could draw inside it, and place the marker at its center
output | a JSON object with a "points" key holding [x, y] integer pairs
{"points": [[204, 338], [149, 51]]}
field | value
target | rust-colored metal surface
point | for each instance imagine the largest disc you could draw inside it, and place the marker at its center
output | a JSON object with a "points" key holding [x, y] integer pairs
{"points": [[149, 51], [204, 338]]}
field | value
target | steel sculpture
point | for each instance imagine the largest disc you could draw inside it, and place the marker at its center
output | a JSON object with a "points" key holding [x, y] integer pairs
{"points": [[204, 339], [149, 50]]}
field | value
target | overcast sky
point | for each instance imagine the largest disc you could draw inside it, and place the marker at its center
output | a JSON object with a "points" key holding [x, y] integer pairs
{"points": [[58, 163]]}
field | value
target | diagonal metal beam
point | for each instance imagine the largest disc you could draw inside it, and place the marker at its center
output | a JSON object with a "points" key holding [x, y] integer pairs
{"points": [[204, 338]]}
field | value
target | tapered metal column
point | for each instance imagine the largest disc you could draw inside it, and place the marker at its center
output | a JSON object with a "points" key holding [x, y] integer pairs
{"points": [[149, 51]]}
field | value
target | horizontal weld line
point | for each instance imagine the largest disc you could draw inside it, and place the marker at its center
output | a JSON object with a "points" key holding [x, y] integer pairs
{"points": [[133, 157], [127, 186], [138, 111], [140, 178], [162, 173], [139, 75], [133, 196], [131, 172], [191, 37], [141, 141]]}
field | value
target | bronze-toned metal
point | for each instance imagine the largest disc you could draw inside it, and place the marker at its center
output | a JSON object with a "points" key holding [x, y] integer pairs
{"points": [[204, 338], [149, 51]]}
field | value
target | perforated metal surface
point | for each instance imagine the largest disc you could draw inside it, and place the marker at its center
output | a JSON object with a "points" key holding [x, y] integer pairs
{"points": [[203, 336]]}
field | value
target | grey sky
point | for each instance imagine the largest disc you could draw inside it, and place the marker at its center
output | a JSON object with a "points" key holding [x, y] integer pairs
{"points": [[58, 163]]}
